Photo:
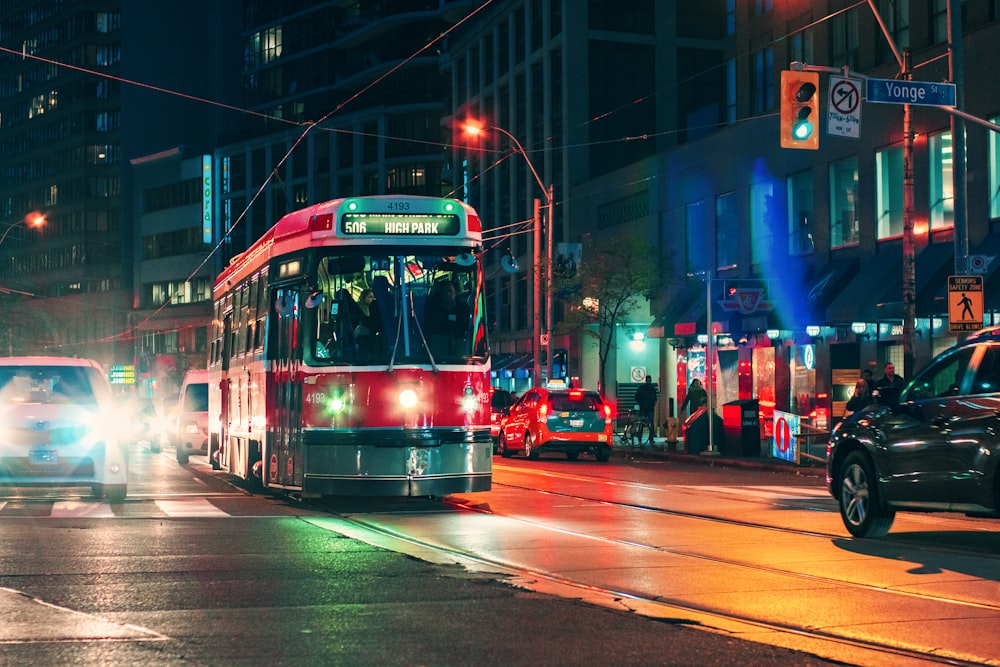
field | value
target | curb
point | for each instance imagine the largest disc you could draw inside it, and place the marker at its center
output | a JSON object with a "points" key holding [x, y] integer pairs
{"points": [[659, 451]]}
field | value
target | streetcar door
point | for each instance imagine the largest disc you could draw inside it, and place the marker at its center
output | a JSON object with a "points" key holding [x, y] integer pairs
{"points": [[225, 417], [283, 464]]}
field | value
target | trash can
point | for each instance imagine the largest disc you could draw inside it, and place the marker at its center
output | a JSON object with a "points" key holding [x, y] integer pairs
{"points": [[696, 431], [741, 428]]}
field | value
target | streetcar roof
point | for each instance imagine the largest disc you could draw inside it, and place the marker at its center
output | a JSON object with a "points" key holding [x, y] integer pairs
{"points": [[288, 233]]}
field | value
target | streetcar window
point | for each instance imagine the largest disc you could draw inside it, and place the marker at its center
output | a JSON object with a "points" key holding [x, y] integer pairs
{"points": [[374, 309]]}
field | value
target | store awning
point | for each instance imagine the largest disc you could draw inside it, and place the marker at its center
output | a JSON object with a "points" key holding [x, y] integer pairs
{"points": [[858, 301], [801, 294], [931, 270], [511, 361], [678, 303]]}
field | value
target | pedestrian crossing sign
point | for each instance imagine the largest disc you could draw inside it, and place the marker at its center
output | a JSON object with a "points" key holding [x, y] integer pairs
{"points": [[965, 303]]}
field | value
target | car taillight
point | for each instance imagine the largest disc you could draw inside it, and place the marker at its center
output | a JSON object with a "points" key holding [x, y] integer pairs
{"points": [[543, 410]]}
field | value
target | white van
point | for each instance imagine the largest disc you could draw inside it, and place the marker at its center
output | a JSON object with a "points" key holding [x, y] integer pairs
{"points": [[191, 434]]}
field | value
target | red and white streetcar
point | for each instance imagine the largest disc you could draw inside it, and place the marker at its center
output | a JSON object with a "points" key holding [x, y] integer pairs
{"points": [[349, 353]]}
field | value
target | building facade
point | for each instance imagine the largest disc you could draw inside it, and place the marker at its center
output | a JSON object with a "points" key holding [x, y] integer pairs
{"points": [[568, 92], [84, 88], [798, 254]]}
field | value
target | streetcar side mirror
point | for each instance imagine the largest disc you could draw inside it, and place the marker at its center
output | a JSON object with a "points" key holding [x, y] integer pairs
{"points": [[314, 300]]}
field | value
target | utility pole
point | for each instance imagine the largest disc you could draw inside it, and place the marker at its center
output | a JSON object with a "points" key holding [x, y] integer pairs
{"points": [[909, 268], [536, 296], [956, 73], [549, 326]]}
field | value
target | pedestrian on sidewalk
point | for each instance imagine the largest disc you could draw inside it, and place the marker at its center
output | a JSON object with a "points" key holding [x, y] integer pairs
{"points": [[695, 398], [645, 398], [888, 387], [861, 399]]}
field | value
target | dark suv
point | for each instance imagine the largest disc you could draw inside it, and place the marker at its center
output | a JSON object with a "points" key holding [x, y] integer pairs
{"points": [[937, 451]]}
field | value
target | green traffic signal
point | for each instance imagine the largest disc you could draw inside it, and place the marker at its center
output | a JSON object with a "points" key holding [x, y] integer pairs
{"points": [[803, 126]]}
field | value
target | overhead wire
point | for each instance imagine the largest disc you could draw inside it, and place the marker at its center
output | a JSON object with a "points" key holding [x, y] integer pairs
{"points": [[311, 125]]}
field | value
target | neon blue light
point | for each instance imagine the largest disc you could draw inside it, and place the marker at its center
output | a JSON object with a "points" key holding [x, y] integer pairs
{"points": [[206, 199]]}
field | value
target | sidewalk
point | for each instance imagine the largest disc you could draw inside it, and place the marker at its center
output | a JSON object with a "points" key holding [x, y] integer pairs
{"points": [[661, 449]]}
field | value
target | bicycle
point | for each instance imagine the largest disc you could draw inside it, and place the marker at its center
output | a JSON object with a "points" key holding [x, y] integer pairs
{"points": [[636, 430]]}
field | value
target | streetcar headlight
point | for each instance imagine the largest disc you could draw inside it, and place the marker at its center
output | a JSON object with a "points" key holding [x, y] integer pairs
{"points": [[336, 404], [470, 403], [408, 398]]}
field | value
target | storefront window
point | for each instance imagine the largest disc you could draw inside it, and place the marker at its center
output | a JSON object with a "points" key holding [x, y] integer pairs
{"points": [[802, 369], [763, 387]]}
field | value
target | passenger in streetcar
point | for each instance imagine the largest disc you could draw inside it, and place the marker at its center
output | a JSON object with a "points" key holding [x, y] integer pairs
{"points": [[368, 327], [446, 320]]}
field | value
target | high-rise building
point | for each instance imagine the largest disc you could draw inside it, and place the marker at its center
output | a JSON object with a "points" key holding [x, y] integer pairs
{"points": [[84, 87], [586, 89]]}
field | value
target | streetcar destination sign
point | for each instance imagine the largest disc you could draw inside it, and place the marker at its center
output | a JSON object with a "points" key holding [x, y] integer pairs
{"points": [[893, 91], [418, 224]]}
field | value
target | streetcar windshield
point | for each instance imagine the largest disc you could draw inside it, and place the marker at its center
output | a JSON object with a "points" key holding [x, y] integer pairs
{"points": [[395, 308]]}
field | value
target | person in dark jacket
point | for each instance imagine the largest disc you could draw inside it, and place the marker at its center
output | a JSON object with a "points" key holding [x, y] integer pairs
{"points": [[645, 398], [888, 387], [696, 397], [862, 398], [446, 320]]}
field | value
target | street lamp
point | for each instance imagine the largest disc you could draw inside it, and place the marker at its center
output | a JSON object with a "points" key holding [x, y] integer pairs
{"points": [[31, 220], [474, 129]]}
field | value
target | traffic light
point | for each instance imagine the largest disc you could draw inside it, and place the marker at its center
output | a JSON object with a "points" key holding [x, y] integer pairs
{"points": [[800, 110]]}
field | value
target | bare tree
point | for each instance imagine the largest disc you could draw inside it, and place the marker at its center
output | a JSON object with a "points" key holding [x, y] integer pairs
{"points": [[614, 277]]}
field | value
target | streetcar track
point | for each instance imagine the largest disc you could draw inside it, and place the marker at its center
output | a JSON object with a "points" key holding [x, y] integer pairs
{"points": [[722, 561], [653, 607], [895, 539]]}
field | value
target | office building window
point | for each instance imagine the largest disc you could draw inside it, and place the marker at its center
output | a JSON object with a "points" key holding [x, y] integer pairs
{"points": [[731, 91], [763, 217], [942, 192], [695, 223], [843, 202], [727, 235], [896, 15], [846, 40], [762, 82], [939, 21], [889, 192], [800, 213]]}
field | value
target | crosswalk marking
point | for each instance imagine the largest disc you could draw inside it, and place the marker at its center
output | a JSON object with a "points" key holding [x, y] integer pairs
{"points": [[189, 507], [93, 509], [79, 509]]}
